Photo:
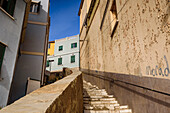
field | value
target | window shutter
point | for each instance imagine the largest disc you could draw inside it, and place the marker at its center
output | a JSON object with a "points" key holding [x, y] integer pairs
{"points": [[59, 61], [60, 48], [48, 63], [73, 59], [71, 45], [2, 51], [75, 44]]}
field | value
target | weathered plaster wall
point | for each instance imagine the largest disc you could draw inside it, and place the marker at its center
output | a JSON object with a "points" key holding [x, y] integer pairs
{"points": [[63, 96], [140, 44], [138, 53], [10, 31]]}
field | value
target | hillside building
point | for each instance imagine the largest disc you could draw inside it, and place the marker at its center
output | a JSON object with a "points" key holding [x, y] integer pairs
{"points": [[66, 54]]}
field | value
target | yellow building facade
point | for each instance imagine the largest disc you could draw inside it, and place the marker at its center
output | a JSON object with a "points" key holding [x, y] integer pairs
{"points": [[51, 46]]}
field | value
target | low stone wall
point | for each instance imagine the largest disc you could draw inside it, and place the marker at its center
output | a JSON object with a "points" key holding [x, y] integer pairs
{"points": [[63, 96]]}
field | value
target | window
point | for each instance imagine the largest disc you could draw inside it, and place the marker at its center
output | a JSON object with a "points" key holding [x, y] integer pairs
{"points": [[73, 45], [92, 10], [48, 63], [35, 7], [73, 59], [59, 61], [114, 21], [2, 51], [49, 46], [60, 48], [8, 6]]}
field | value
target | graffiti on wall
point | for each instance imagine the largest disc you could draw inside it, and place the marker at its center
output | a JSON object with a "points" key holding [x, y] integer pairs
{"points": [[164, 72]]}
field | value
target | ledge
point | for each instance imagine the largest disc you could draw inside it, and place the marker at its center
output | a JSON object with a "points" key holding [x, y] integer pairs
{"points": [[65, 95], [7, 13]]}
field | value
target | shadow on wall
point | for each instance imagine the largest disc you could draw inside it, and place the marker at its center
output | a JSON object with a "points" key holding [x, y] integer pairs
{"points": [[125, 85], [4, 86], [29, 65]]}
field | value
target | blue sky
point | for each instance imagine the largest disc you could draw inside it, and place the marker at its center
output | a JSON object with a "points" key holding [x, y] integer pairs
{"points": [[64, 18]]}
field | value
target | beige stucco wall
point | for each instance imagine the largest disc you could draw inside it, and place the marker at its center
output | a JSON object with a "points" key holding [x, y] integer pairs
{"points": [[140, 45]]}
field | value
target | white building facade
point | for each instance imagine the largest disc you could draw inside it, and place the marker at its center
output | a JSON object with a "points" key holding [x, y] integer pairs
{"points": [[66, 54], [12, 15]]}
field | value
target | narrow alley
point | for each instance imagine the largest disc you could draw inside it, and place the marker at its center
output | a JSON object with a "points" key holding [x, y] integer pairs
{"points": [[84, 56]]}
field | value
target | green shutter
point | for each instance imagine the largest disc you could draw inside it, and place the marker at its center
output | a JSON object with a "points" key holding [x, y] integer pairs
{"points": [[59, 61], [75, 45], [73, 59], [60, 48], [2, 51], [48, 63]]}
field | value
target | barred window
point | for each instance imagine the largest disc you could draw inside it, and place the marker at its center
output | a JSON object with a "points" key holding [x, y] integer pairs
{"points": [[35, 7]]}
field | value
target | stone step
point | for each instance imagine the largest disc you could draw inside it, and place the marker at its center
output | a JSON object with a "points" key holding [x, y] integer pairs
{"points": [[101, 102], [92, 107], [121, 107], [107, 111], [110, 107], [96, 93], [99, 99], [88, 106], [126, 111], [91, 90], [98, 96], [88, 96], [98, 111]]}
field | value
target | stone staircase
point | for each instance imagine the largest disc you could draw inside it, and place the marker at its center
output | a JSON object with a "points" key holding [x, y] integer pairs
{"points": [[98, 101]]}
